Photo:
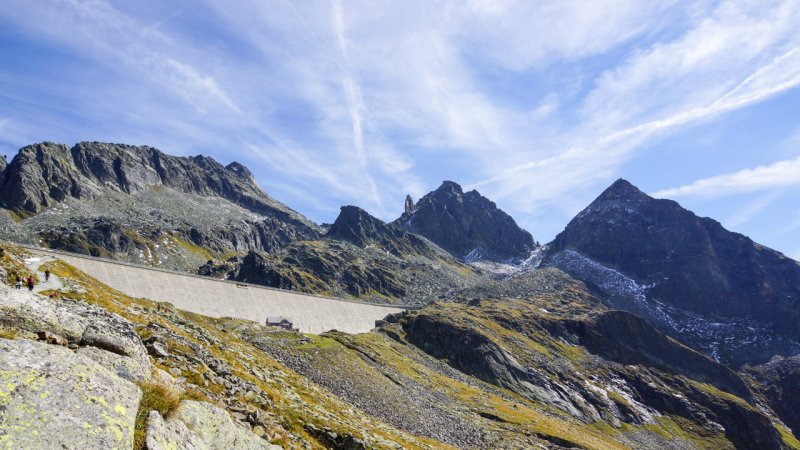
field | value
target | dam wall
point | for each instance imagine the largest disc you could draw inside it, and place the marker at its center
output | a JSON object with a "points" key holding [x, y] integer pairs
{"points": [[220, 298]]}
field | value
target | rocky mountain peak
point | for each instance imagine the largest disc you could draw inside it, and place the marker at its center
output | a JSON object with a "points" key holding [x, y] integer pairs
{"points": [[358, 227], [685, 272], [45, 174], [622, 189], [448, 188], [241, 171], [468, 225]]}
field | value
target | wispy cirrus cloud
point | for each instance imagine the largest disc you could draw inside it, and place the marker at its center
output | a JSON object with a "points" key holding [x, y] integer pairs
{"points": [[738, 56], [781, 174], [536, 103]]}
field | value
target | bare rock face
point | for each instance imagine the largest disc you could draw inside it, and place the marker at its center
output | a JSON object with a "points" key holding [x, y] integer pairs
{"points": [[40, 176], [779, 382], [113, 200], [47, 173], [714, 289], [360, 228], [200, 425], [468, 225], [52, 398], [80, 324]]}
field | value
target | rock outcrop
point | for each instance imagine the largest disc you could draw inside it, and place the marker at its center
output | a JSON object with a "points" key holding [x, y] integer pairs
{"points": [[53, 398], [309, 269], [779, 382], [715, 290], [372, 273], [629, 373], [467, 225], [80, 324], [356, 226], [199, 425]]}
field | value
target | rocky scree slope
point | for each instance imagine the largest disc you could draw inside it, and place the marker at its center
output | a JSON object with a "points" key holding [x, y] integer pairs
{"points": [[715, 290], [132, 202], [467, 225]]}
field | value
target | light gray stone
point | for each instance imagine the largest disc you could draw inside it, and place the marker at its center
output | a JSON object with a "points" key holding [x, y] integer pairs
{"points": [[77, 322], [169, 435], [215, 427], [51, 397], [26, 311], [125, 367]]}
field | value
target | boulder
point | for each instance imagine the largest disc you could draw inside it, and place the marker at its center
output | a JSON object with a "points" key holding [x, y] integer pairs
{"points": [[77, 322], [163, 435], [200, 425], [52, 398], [131, 369]]}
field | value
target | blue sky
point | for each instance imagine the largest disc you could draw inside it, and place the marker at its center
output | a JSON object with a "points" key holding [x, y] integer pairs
{"points": [[538, 105]]}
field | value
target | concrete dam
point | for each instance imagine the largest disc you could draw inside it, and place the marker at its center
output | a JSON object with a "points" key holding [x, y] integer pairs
{"points": [[220, 298]]}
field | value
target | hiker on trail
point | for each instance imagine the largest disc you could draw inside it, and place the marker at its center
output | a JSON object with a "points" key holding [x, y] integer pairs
{"points": [[19, 282], [47, 275], [30, 283]]}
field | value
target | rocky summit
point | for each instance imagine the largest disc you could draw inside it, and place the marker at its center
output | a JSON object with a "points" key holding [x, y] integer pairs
{"points": [[358, 227], [716, 290], [468, 225], [641, 326], [141, 205]]}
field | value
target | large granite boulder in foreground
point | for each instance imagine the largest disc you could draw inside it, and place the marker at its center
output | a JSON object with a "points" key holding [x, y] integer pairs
{"points": [[51, 397], [28, 314]]}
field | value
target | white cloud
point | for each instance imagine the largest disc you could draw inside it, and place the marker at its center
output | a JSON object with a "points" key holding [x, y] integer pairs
{"points": [[117, 41], [707, 71], [520, 34], [350, 101], [778, 175]]}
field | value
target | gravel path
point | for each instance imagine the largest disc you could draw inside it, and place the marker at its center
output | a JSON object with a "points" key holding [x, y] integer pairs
{"points": [[54, 283]]}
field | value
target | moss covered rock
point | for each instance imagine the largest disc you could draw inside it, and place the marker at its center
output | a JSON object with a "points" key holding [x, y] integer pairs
{"points": [[200, 425], [52, 398]]}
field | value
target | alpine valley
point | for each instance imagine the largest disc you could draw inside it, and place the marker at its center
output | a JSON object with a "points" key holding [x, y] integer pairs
{"points": [[641, 325]]}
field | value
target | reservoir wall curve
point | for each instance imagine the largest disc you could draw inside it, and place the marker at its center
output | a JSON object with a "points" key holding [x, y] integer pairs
{"points": [[220, 298]]}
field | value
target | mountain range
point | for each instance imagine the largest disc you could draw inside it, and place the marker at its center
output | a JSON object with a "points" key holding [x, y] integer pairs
{"points": [[683, 318]]}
